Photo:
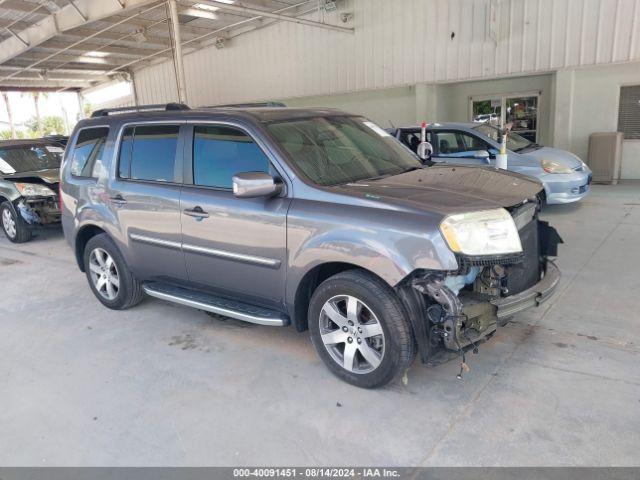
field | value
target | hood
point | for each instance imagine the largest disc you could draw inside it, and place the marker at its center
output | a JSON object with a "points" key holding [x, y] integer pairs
{"points": [[448, 189], [39, 176], [560, 156]]}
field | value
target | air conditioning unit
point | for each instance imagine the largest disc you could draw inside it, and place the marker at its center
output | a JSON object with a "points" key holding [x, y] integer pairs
{"points": [[605, 149]]}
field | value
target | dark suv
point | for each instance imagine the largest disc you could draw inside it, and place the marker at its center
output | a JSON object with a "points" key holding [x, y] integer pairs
{"points": [[310, 217]]}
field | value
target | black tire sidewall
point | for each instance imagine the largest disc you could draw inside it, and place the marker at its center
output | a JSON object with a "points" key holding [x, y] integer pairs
{"points": [[23, 234], [387, 309], [104, 242]]}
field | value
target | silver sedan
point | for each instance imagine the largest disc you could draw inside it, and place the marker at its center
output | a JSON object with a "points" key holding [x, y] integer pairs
{"points": [[565, 177]]}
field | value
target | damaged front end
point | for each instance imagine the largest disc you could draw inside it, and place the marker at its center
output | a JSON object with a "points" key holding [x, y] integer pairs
{"points": [[38, 204], [452, 312]]}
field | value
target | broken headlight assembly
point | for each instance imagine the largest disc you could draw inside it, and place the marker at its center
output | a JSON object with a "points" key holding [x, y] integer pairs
{"points": [[551, 166], [34, 190], [487, 232]]}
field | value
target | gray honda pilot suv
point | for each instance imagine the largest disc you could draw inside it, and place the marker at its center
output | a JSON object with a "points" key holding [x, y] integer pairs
{"points": [[310, 217]]}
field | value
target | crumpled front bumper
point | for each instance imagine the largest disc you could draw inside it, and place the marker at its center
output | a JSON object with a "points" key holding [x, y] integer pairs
{"points": [[38, 211], [531, 297]]}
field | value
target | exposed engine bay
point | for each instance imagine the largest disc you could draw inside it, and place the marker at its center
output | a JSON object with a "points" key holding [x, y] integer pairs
{"points": [[458, 310]]}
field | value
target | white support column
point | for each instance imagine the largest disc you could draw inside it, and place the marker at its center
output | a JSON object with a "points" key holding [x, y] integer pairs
{"points": [[177, 51], [562, 108], [80, 105]]}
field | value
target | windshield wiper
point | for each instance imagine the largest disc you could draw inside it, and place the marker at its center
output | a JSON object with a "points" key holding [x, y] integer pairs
{"points": [[387, 175]]}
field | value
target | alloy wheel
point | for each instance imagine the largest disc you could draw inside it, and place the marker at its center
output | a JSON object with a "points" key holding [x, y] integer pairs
{"points": [[352, 334], [104, 274], [8, 223]]}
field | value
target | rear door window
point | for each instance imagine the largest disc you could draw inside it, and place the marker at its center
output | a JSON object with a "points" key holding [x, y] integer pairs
{"points": [[220, 152], [88, 150], [148, 152]]}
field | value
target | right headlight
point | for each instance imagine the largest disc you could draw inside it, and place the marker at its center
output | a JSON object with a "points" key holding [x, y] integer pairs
{"points": [[551, 166], [487, 232]]}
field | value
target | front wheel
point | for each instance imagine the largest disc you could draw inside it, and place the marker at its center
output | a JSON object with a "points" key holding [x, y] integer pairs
{"points": [[360, 329], [13, 226]]}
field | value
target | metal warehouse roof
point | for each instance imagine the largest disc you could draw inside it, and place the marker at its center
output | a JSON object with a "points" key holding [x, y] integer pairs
{"points": [[74, 44]]}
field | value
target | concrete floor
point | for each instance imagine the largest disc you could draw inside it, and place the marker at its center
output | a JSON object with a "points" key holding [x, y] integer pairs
{"points": [[166, 385]]}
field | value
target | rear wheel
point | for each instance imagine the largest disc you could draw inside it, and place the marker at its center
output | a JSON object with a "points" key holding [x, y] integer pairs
{"points": [[109, 276], [14, 227], [360, 330]]}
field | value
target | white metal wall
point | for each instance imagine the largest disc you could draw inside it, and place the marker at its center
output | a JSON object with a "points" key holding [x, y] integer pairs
{"points": [[404, 42]]}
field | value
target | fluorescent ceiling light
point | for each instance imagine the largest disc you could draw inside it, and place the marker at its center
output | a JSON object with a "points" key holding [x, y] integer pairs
{"points": [[96, 54], [200, 12], [87, 59], [212, 8]]}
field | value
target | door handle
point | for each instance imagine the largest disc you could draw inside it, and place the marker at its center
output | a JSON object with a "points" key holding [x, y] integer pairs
{"points": [[118, 200], [196, 212]]}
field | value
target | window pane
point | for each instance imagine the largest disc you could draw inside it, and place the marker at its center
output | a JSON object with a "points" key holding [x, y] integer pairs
{"points": [[339, 150], [472, 143], [87, 150], [629, 112], [25, 159], [124, 162], [447, 143], [221, 152], [153, 156]]}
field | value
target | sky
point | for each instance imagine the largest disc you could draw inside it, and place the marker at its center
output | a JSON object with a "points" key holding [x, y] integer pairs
{"points": [[64, 104]]}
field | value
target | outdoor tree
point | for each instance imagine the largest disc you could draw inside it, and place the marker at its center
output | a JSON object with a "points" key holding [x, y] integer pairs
{"points": [[48, 125], [12, 128]]}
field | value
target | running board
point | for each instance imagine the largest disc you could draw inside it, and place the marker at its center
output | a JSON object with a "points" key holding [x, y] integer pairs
{"points": [[214, 304]]}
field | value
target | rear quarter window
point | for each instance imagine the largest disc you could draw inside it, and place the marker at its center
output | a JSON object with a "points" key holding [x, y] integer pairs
{"points": [[88, 151]]}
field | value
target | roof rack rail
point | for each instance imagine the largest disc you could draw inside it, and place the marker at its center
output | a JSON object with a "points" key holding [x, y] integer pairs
{"points": [[105, 112], [248, 105]]}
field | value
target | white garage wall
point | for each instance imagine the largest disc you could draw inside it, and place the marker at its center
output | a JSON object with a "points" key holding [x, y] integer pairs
{"points": [[594, 108], [391, 106], [403, 42]]}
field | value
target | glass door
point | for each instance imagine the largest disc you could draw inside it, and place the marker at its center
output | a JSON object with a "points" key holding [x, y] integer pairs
{"points": [[521, 115], [487, 111], [517, 111]]}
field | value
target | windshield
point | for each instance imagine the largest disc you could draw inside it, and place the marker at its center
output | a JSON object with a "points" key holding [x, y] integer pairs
{"points": [[339, 150], [515, 142], [29, 159]]}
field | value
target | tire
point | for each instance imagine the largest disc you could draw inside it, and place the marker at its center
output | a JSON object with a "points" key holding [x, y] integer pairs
{"points": [[13, 225], [381, 333], [118, 289]]}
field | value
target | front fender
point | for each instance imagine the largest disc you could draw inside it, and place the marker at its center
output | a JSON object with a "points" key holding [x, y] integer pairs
{"points": [[390, 244]]}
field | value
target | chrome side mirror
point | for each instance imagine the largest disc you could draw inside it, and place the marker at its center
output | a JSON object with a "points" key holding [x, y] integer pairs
{"points": [[424, 151], [255, 184]]}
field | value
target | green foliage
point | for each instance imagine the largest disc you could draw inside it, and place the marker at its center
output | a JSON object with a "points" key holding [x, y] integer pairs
{"points": [[6, 135], [50, 125]]}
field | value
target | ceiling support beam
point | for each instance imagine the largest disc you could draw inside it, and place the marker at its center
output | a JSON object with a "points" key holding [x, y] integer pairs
{"points": [[67, 18], [241, 9], [78, 11], [84, 39], [177, 51], [22, 40]]}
